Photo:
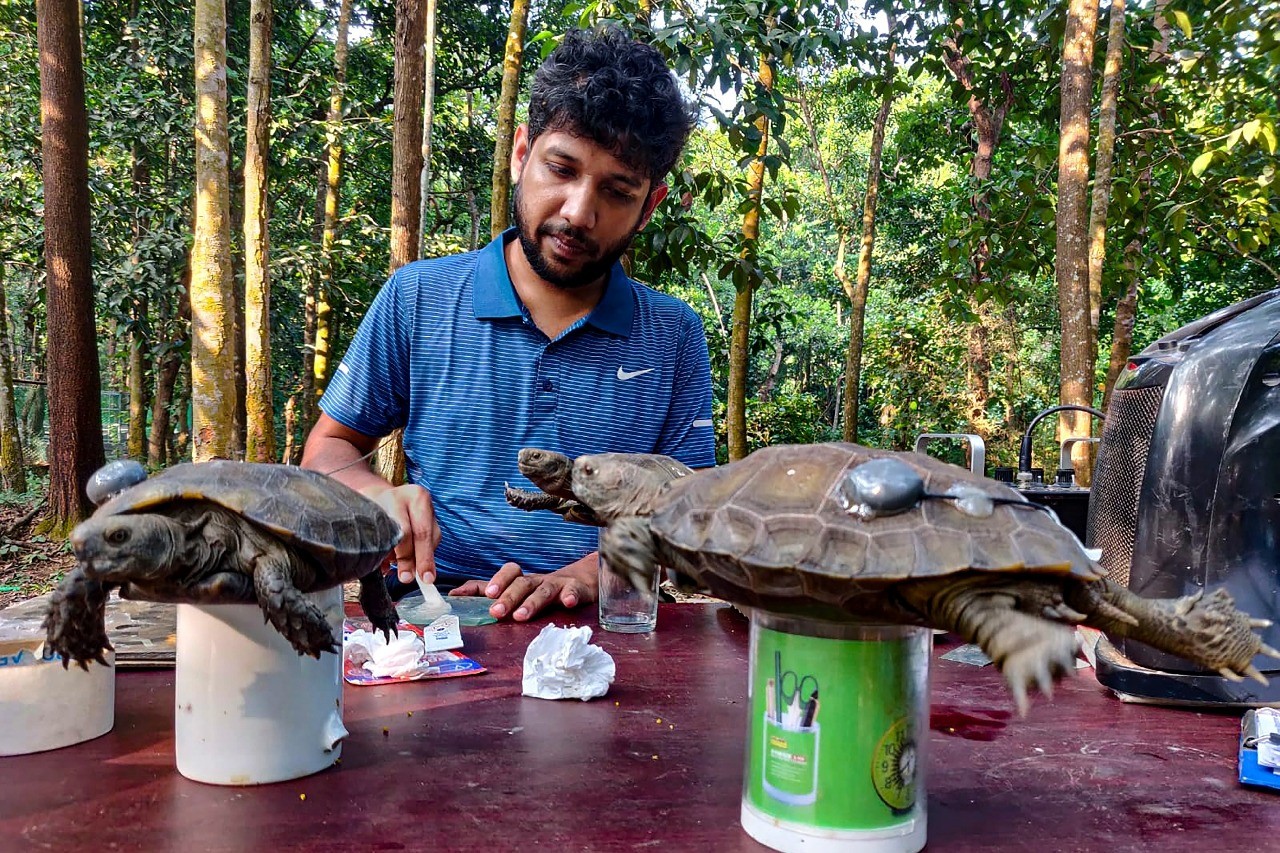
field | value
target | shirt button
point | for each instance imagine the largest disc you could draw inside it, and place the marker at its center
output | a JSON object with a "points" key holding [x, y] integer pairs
{"points": [[547, 385]]}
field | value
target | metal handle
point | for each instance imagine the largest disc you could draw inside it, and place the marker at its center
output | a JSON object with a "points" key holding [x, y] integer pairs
{"points": [[977, 447], [1064, 453]]}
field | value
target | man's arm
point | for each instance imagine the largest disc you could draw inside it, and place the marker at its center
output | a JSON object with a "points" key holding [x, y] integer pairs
{"points": [[342, 453]]}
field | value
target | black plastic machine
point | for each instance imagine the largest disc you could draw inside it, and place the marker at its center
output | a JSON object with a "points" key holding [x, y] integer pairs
{"points": [[1186, 491]]}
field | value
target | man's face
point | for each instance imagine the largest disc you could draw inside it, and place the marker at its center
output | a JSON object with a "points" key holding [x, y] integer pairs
{"points": [[577, 206]]}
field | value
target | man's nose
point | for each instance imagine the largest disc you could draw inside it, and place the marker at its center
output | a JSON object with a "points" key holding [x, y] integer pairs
{"points": [[579, 206]]}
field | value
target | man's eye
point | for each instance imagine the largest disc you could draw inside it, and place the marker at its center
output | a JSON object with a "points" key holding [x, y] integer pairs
{"points": [[557, 169]]}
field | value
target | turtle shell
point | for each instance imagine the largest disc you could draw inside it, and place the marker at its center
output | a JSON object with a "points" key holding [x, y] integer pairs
{"points": [[343, 531], [775, 525]]}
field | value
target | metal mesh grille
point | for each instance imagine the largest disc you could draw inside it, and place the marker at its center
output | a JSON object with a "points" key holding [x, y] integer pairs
{"points": [[1117, 478]]}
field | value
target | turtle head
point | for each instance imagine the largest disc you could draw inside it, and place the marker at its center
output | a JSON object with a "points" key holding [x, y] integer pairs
{"points": [[126, 547], [548, 470], [617, 484]]}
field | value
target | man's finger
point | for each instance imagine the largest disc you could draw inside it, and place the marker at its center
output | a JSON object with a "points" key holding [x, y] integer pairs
{"points": [[515, 593], [502, 579], [426, 533], [572, 594], [541, 596], [469, 588]]}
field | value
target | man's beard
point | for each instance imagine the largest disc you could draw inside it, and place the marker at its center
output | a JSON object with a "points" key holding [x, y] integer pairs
{"points": [[590, 272]]}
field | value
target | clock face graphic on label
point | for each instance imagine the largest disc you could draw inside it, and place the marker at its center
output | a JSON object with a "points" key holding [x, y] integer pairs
{"points": [[893, 768]]}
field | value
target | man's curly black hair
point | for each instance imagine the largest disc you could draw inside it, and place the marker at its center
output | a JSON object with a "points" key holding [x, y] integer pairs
{"points": [[609, 88]]}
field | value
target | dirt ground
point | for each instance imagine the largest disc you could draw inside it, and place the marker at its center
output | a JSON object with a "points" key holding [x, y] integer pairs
{"points": [[30, 564]]}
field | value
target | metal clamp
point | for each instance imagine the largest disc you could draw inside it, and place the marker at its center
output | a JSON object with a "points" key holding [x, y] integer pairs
{"points": [[977, 447]]}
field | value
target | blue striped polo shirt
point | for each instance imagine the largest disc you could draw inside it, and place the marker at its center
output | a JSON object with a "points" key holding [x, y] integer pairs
{"points": [[449, 353]]}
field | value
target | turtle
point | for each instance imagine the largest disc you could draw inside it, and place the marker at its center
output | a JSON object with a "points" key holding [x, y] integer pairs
{"points": [[644, 474], [222, 532], [843, 532]]}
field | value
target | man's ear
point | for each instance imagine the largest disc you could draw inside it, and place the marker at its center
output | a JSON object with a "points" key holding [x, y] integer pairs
{"points": [[519, 152], [655, 197]]}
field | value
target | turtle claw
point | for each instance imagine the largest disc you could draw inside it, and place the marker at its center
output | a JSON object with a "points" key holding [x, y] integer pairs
{"points": [[1020, 700], [1064, 613], [1252, 672], [1264, 649], [1184, 605], [1259, 623], [641, 582], [1230, 674]]}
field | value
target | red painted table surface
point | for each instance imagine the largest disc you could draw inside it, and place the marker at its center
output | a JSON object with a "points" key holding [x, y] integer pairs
{"points": [[469, 764]]}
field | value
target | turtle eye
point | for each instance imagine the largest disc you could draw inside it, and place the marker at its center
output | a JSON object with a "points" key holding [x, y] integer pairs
{"points": [[118, 535], [588, 469]]}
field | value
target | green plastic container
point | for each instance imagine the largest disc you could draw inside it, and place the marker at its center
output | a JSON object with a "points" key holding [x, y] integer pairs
{"points": [[839, 716]]}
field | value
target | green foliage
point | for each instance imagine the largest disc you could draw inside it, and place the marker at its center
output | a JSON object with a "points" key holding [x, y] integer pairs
{"points": [[1194, 209]]}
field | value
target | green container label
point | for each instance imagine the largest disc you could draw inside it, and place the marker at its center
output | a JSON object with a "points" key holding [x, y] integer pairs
{"points": [[835, 727]]}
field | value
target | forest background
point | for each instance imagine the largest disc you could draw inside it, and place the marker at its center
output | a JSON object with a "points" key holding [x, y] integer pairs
{"points": [[895, 217]]}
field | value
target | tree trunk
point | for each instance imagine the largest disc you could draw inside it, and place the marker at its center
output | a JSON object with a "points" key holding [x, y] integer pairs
{"points": [[500, 202], [137, 443], [33, 414], [473, 208], [858, 298], [1072, 251], [307, 381], [1126, 315], [13, 468], [137, 335], [75, 404], [1103, 159], [988, 121], [321, 365], [174, 331], [740, 336], [428, 115], [259, 417], [408, 190], [292, 454], [213, 365], [406, 143], [765, 392], [182, 410]]}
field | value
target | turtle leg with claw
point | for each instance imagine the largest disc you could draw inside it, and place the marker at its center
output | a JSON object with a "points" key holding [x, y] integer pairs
{"points": [[76, 624], [628, 549], [1208, 630], [1001, 618], [299, 620], [378, 605]]}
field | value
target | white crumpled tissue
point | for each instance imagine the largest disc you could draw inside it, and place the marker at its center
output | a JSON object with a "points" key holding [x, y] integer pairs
{"points": [[561, 663], [402, 656]]}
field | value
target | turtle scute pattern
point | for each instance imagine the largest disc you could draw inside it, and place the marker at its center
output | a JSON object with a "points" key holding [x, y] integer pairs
{"points": [[308, 531], [782, 515]]}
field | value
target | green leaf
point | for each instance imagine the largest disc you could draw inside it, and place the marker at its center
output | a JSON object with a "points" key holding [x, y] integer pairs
{"points": [[1250, 130], [1183, 21], [1202, 162], [1268, 133]]}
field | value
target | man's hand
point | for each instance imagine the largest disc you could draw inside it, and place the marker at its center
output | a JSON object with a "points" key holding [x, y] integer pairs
{"points": [[522, 596], [410, 506]]}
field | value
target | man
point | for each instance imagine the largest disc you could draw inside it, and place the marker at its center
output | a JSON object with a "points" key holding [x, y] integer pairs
{"points": [[539, 339]]}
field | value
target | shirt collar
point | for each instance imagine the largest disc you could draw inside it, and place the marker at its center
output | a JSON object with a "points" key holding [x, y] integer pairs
{"points": [[494, 297]]}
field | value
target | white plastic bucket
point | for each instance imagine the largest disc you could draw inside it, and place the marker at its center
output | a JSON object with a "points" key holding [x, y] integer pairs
{"points": [[43, 706], [250, 709]]}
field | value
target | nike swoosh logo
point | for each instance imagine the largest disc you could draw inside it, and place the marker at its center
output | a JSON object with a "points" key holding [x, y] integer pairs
{"points": [[624, 375]]}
